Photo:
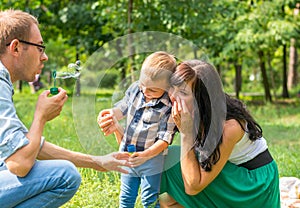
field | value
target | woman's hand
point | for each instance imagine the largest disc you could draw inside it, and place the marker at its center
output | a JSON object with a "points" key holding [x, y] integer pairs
{"points": [[176, 113], [182, 116]]}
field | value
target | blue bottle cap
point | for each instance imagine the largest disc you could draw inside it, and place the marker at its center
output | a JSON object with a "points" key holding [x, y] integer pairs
{"points": [[131, 148]]}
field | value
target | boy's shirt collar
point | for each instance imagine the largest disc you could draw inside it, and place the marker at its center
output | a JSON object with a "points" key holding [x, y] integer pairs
{"points": [[163, 99]]}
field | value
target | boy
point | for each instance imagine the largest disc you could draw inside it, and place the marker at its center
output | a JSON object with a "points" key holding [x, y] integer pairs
{"points": [[149, 127]]}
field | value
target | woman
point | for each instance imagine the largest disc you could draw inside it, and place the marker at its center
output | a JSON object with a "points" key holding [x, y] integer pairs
{"points": [[224, 160]]}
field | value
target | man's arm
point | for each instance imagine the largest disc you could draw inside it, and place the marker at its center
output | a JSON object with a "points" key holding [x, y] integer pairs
{"points": [[112, 161], [47, 108]]}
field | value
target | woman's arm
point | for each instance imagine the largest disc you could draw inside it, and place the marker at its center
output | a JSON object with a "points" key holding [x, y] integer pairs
{"points": [[194, 177]]}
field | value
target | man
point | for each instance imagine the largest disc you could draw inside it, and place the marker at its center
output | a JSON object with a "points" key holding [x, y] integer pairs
{"points": [[25, 181]]}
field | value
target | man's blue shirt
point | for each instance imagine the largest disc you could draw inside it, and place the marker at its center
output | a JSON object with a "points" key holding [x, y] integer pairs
{"points": [[12, 130]]}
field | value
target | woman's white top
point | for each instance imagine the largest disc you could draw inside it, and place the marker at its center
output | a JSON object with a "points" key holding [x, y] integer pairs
{"points": [[246, 149]]}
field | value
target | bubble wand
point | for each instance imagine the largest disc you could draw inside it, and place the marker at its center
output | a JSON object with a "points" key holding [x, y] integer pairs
{"points": [[54, 89]]}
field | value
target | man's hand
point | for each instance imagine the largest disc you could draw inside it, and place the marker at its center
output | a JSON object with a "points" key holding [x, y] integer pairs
{"points": [[113, 161], [47, 108]]}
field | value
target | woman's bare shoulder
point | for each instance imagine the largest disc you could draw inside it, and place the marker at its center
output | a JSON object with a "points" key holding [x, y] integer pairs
{"points": [[233, 130]]}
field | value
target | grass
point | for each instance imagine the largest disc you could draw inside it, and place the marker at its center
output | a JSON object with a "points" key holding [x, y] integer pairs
{"points": [[281, 127], [280, 123]]}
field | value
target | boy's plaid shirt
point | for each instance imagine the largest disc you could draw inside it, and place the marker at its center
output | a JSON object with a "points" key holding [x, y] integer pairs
{"points": [[146, 122]]}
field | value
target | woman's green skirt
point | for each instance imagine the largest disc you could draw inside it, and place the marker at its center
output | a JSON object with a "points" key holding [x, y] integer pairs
{"points": [[234, 187]]}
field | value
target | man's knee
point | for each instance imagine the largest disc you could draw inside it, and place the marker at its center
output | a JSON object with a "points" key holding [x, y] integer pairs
{"points": [[72, 175]]}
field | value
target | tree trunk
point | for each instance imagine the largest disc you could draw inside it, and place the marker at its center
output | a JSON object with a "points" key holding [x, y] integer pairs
{"points": [[218, 67], [78, 86], [48, 77], [130, 41], [293, 75], [77, 83], [120, 54], [272, 75], [262, 65], [238, 79], [20, 85], [195, 52], [285, 93]]}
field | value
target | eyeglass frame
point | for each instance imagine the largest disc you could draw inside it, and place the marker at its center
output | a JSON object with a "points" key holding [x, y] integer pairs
{"points": [[33, 44]]}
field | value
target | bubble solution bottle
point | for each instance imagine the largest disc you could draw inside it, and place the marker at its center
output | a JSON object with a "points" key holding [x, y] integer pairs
{"points": [[54, 89], [131, 148]]}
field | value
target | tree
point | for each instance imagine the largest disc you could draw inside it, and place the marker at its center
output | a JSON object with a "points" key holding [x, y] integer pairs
{"points": [[231, 50], [293, 75]]}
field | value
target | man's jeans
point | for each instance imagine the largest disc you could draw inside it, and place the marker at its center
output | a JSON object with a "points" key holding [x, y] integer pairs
{"points": [[50, 183], [146, 176]]}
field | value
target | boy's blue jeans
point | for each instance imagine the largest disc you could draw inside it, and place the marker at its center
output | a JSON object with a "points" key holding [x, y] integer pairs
{"points": [[146, 176], [50, 183]]}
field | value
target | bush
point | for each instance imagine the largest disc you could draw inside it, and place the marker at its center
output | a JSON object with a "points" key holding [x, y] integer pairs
{"points": [[110, 79]]}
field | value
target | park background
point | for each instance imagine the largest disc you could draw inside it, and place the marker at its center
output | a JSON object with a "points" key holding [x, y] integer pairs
{"points": [[252, 44]]}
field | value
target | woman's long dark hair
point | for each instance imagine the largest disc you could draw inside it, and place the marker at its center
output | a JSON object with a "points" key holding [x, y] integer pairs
{"points": [[235, 110], [186, 72]]}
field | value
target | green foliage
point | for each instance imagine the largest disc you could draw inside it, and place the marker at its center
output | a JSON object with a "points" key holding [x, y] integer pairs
{"points": [[227, 32], [82, 26], [110, 79], [59, 54]]}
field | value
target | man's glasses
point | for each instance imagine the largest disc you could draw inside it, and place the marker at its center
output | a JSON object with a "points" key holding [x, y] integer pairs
{"points": [[41, 48]]}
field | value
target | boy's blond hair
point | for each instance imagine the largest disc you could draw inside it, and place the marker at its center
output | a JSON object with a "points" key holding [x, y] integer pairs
{"points": [[159, 65]]}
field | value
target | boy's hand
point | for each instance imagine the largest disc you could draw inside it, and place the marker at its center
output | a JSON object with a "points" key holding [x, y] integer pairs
{"points": [[106, 122], [137, 159], [109, 124]]}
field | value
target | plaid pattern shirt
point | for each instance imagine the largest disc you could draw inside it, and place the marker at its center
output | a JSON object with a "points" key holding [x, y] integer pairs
{"points": [[146, 122]]}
